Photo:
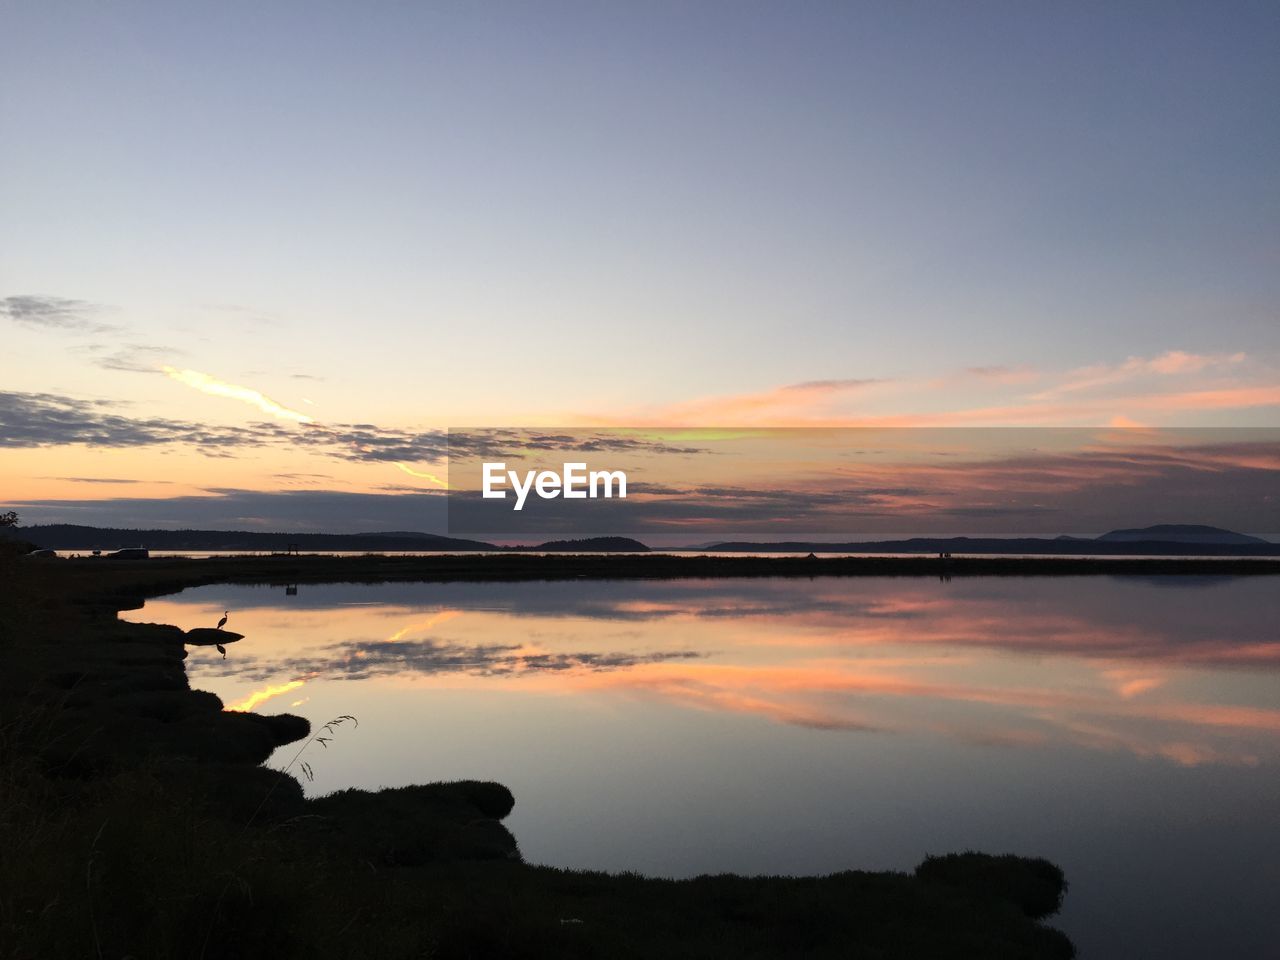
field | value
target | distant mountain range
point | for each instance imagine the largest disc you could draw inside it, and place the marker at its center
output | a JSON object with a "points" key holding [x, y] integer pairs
{"points": [[62, 536], [65, 536], [1179, 533], [1166, 539], [1160, 540]]}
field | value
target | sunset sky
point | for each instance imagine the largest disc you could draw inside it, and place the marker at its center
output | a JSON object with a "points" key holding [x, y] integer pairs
{"points": [[271, 249]]}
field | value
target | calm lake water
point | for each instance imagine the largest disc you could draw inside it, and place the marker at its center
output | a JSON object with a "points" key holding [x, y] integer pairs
{"points": [[1126, 728]]}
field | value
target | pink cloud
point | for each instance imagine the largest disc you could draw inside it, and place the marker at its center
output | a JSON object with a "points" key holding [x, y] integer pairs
{"points": [[1235, 398], [791, 402], [1170, 363], [1071, 398]]}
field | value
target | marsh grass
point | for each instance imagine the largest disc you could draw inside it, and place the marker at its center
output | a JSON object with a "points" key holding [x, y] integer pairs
{"points": [[323, 738], [237, 877], [137, 865], [132, 863], [1036, 886]]}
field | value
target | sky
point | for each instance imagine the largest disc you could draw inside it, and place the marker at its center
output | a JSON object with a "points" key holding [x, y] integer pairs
{"points": [[364, 223]]}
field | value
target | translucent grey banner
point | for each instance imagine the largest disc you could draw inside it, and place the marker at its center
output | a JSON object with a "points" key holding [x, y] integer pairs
{"points": [[705, 484]]}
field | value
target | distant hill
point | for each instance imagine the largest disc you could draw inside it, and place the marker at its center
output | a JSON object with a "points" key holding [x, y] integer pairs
{"points": [[1062, 546], [1178, 533], [591, 545], [73, 537], [61, 536]]}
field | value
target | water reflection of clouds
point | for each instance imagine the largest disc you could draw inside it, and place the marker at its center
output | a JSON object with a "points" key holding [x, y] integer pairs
{"points": [[844, 697], [1222, 623], [360, 660], [1104, 664]]}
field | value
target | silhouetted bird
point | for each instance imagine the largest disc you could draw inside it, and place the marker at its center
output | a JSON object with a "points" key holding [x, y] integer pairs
{"points": [[221, 649], [223, 622]]}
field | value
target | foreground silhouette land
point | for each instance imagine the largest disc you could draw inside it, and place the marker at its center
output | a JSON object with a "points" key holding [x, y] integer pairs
{"points": [[138, 820]]}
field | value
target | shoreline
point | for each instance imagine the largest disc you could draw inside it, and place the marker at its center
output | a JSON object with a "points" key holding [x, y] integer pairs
{"points": [[133, 757], [144, 578]]}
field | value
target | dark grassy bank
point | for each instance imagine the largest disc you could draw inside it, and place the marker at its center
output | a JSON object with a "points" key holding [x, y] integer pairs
{"points": [[136, 819]]}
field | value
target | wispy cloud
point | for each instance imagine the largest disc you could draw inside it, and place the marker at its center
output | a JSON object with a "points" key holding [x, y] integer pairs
{"points": [[65, 315], [306, 478], [46, 420], [232, 391], [98, 480], [1170, 363], [1229, 398], [826, 387], [806, 400], [1097, 394], [55, 313], [131, 357], [1003, 375]]}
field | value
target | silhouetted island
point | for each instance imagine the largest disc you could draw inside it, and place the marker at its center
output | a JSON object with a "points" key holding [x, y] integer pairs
{"points": [[590, 545], [1180, 533]]}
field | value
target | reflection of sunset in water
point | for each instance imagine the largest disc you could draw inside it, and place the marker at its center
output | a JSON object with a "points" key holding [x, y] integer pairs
{"points": [[259, 697], [1107, 665], [1128, 729]]}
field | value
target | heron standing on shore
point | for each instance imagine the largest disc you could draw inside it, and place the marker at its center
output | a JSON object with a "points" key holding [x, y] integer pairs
{"points": [[223, 622]]}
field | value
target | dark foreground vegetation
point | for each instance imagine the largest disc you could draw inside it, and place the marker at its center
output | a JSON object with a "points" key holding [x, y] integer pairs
{"points": [[136, 820]]}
